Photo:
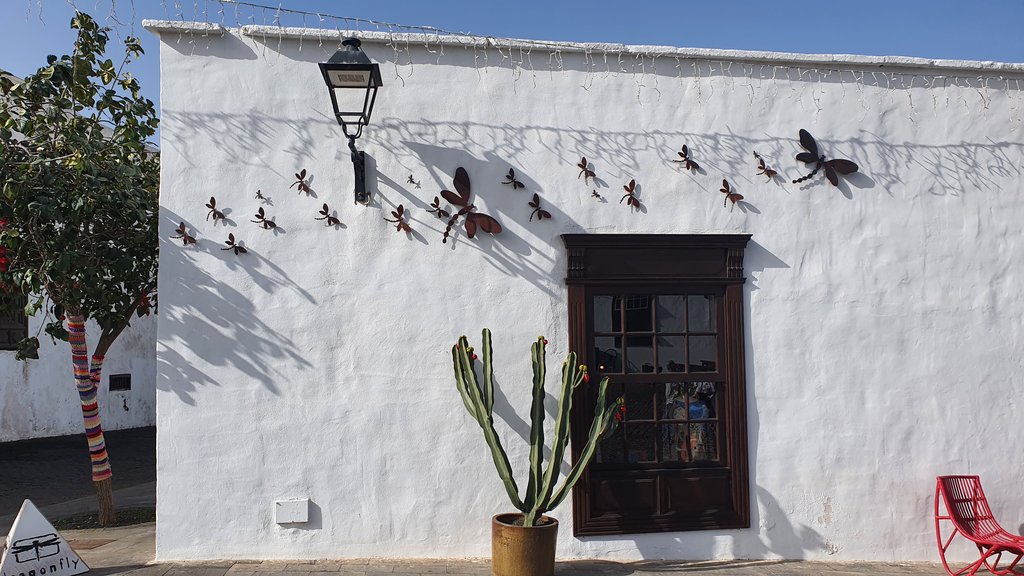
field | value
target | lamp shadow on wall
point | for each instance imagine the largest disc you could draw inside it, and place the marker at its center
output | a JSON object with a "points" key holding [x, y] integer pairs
{"points": [[212, 320]]}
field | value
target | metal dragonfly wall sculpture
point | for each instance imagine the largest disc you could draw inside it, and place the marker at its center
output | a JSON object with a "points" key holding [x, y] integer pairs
{"points": [[832, 167], [471, 220]]}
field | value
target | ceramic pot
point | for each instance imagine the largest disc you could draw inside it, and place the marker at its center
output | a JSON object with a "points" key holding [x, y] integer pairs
{"points": [[522, 551]]}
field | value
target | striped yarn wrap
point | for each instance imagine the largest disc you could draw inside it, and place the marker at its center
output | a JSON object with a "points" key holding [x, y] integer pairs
{"points": [[87, 380]]}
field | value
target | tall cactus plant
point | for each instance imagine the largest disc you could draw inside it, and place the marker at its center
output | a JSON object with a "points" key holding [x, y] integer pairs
{"points": [[541, 495]]}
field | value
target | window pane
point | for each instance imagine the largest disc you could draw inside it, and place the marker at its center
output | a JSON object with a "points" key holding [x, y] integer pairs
{"points": [[704, 441], [701, 310], [612, 448], [638, 313], [670, 314], [640, 442], [606, 314], [639, 354], [639, 402], [675, 401], [671, 354], [674, 441], [702, 353], [608, 354]]}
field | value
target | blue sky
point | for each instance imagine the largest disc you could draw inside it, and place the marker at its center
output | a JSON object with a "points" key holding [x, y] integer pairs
{"points": [[979, 30]]}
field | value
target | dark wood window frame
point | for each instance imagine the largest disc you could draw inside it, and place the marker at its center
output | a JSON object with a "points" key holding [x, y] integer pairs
{"points": [[652, 263], [14, 324]]}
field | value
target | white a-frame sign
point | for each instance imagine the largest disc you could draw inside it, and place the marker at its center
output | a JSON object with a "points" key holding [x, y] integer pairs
{"points": [[35, 548]]}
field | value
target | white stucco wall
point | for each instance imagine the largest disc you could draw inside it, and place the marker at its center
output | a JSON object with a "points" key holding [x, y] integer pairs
{"points": [[38, 398], [883, 324]]}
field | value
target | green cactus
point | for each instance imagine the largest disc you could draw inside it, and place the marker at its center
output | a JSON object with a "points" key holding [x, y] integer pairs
{"points": [[541, 495]]}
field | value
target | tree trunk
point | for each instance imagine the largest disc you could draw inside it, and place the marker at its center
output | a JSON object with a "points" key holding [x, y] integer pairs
{"points": [[87, 379]]}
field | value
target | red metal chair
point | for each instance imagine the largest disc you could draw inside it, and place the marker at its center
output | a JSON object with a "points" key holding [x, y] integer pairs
{"points": [[968, 514]]}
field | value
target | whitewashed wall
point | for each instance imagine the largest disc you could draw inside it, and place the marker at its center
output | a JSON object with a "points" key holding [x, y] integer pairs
{"points": [[38, 398], [884, 328]]}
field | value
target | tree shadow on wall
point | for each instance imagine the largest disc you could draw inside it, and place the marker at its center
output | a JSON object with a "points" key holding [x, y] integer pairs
{"points": [[212, 322]]}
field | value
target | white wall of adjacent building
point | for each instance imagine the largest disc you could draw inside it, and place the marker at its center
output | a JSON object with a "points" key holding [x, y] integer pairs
{"points": [[883, 321], [38, 398]]}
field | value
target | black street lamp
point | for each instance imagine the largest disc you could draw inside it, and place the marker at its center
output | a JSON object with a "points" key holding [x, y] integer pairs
{"points": [[351, 77]]}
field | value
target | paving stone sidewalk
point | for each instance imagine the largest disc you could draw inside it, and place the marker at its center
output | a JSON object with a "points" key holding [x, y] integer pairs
{"points": [[128, 550]]}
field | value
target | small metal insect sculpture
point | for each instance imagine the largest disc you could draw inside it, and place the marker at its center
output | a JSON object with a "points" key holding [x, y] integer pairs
{"points": [[325, 215], [585, 170], [217, 214], [729, 194], [686, 161], [399, 220], [183, 235], [261, 219], [238, 249], [832, 167], [537, 211], [435, 209], [763, 169], [594, 194], [473, 220], [630, 197], [300, 181], [412, 181], [510, 179], [260, 196]]}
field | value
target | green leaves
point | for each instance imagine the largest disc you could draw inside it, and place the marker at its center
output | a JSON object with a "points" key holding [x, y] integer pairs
{"points": [[27, 349], [78, 208]]}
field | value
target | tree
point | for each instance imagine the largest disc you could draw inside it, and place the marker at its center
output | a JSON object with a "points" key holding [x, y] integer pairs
{"points": [[78, 210]]}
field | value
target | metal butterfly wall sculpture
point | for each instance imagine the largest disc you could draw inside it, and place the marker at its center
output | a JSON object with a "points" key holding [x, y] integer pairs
{"points": [[473, 220], [832, 167]]}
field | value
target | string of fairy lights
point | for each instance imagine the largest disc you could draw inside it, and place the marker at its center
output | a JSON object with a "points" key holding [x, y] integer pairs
{"points": [[974, 90]]}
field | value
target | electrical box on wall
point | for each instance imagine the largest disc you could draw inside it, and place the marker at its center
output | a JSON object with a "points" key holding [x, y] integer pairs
{"points": [[292, 511]]}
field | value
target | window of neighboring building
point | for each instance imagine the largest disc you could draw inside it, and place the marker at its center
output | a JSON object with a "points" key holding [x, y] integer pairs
{"points": [[662, 317], [13, 324]]}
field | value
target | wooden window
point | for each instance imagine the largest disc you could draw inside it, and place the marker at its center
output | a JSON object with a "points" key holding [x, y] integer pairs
{"points": [[13, 324], [662, 316]]}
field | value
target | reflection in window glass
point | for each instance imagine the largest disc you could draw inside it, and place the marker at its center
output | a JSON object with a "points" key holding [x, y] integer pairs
{"points": [[612, 448], [638, 313], [670, 314], [608, 353], [702, 354], [671, 354], [639, 354], [640, 442], [606, 314], [639, 402], [701, 310]]}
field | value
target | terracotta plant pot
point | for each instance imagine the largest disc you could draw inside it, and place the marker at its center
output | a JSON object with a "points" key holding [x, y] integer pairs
{"points": [[522, 551]]}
